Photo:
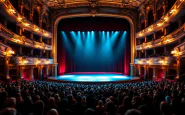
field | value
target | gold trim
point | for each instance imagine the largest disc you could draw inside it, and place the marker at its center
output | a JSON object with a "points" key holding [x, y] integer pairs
{"points": [[55, 26]]}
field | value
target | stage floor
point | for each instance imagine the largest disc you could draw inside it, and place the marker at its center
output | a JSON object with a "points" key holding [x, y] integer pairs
{"points": [[93, 77]]}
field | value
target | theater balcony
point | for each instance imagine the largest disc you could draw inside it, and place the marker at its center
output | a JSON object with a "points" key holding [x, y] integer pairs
{"points": [[174, 13], [5, 51], [32, 61], [21, 40], [14, 16], [164, 40]]}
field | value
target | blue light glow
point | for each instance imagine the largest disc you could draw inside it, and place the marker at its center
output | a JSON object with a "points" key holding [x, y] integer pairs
{"points": [[95, 49]]}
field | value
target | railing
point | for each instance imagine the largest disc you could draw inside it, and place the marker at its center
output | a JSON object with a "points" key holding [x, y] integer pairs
{"points": [[22, 40], [154, 61], [177, 34], [5, 50], [163, 22], [22, 21], [179, 50], [32, 61]]}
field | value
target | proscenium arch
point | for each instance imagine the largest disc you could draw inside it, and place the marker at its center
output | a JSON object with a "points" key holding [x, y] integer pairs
{"points": [[55, 27]]}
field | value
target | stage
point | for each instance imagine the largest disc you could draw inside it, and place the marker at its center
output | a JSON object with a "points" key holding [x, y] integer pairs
{"points": [[89, 77]]}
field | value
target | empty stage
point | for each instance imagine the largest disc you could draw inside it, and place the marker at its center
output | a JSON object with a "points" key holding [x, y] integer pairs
{"points": [[93, 77]]}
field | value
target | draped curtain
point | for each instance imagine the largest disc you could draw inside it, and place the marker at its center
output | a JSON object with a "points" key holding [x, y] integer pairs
{"points": [[66, 64]]}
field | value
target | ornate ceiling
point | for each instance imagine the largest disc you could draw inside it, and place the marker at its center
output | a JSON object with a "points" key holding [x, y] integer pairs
{"points": [[93, 3]]}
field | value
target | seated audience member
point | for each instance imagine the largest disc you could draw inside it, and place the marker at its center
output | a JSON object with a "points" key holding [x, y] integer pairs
{"points": [[52, 112], [8, 111], [133, 112], [100, 110]]}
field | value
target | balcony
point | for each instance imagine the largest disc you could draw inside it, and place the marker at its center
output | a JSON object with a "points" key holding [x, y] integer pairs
{"points": [[163, 22], [174, 36], [4, 32], [5, 50], [179, 50], [32, 61], [22, 21], [154, 61]]}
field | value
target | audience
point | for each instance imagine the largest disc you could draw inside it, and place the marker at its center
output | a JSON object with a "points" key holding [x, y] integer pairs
{"points": [[50, 98]]}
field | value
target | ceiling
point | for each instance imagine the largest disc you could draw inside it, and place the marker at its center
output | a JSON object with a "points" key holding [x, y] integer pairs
{"points": [[93, 3]]}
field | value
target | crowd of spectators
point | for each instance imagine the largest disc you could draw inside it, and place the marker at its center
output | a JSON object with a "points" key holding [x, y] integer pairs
{"points": [[51, 98]]}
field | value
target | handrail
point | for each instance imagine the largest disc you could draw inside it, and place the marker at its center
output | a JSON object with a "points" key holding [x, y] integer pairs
{"points": [[22, 21], [163, 22], [21, 60], [165, 60], [21, 39], [164, 40]]}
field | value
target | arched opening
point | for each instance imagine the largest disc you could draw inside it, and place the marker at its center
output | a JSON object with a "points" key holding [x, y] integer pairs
{"points": [[93, 44], [36, 17], [55, 30], [150, 18], [160, 13], [170, 3], [15, 4], [26, 13]]}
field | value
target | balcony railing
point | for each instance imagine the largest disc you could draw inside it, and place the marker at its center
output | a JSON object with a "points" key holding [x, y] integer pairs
{"points": [[22, 40], [32, 61], [163, 22], [179, 50], [22, 21], [154, 61], [5, 50], [177, 34]]}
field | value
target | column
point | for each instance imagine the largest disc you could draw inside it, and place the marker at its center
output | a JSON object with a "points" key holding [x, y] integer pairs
{"points": [[139, 70], [31, 36], [31, 16], [40, 23], [54, 69], [164, 72], [31, 73], [21, 9], [21, 72], [32, 51], [41, 72], [20, 50], [145, 69], [154, 73], [155, 18], [7, 68], [47, 71], [132, 70], [178, 67]]}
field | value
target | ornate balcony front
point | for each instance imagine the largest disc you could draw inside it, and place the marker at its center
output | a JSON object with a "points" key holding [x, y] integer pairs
{"points": [[179, 50], [179, 33], [32, 61], [22, 21], [22, 40], [164, 21], [154, 61], [5, 51]]}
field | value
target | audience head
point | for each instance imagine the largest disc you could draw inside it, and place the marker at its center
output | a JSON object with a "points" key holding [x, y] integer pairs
{"points": [[133, 112], [52, 112], [89, 111], [10, 102]]}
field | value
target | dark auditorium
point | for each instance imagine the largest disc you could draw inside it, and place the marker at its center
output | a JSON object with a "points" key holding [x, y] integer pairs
{"points": [[92, 57]]}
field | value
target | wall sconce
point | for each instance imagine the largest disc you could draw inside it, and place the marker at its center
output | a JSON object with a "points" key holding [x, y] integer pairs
{"points": [[159, 24], [12, 11], [149, 29], [173, 10]]}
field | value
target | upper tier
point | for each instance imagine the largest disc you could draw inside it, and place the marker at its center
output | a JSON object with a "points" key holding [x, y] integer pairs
{"points": [[13, 15], [163, 22]]}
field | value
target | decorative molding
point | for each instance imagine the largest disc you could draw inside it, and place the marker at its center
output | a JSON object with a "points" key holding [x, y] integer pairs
{"points": [[164, 40], [5, 50], [32, 61], [154, 61], [164, 21], [84, 3], [22, 21]]}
